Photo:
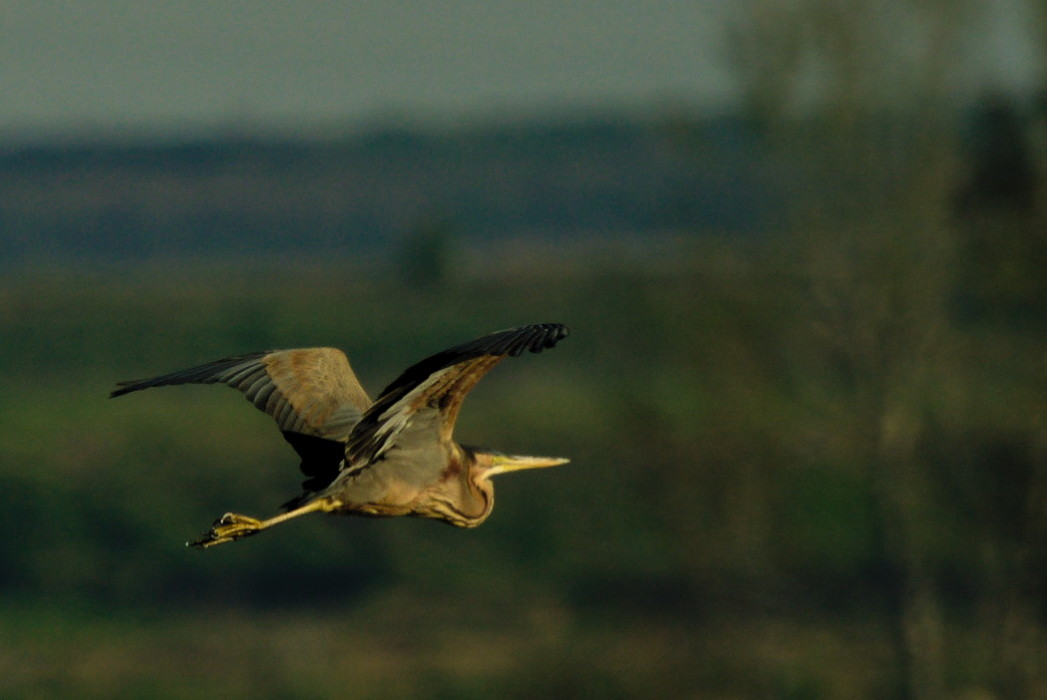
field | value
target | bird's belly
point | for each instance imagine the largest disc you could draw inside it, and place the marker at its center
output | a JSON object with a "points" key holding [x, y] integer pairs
{"points": [[377, 510], [369, 494]]}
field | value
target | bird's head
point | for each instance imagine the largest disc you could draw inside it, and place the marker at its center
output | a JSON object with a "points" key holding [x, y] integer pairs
{"points": [[471, 507]]}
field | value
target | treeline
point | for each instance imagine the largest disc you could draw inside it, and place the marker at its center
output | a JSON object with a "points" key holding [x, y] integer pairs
{"points": [[361, 194]]}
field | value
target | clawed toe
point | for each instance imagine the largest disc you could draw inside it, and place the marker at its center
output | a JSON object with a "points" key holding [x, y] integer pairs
{"points": [[231, 526]]}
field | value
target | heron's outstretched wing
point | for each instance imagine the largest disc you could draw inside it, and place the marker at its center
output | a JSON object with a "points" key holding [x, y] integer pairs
{"points": [[429, 394], [310, 391]]}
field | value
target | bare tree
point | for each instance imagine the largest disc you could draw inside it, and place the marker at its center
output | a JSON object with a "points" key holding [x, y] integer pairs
{"points": [[873, 228]]}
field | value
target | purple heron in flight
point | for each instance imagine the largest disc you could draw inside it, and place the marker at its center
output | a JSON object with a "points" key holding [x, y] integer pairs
{"points": [[391, 456]]}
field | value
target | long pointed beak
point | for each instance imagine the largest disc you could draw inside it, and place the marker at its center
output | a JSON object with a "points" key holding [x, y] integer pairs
{"points": [[513, 463]]}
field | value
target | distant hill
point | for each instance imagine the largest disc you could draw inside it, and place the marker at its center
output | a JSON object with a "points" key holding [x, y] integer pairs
{"points": [[364, 193]]}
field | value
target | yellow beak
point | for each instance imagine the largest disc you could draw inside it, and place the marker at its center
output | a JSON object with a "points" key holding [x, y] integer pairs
{"points": [[513, 463]]}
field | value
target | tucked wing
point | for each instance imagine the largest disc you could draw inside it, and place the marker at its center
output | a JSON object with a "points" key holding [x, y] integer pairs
{"points": [[310, 391], [428, 395]]}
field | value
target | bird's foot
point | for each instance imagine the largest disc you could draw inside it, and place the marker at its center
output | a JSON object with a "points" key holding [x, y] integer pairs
{"points": [[231, 526]]}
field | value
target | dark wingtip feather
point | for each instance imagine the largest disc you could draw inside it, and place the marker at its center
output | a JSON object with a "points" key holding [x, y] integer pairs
{"points": [[201, 374], [121, 391], [534, 338], [126, 387], [511, 342], [548, 335]]}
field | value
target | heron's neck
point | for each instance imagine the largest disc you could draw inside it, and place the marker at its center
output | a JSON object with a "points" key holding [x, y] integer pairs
{"points": [[477, 492]]}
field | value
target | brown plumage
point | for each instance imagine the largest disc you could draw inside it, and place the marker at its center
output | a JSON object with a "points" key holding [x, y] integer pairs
{"points": [[392, 456]]}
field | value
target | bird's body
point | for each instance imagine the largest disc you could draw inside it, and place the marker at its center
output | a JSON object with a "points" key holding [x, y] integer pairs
{"points": [[393, 456]]}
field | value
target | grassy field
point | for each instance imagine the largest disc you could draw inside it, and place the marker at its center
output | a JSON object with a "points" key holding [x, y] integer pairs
{"points": [[772, 479]]}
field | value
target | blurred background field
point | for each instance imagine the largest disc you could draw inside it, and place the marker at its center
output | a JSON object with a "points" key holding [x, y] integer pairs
{"points": [[803, 396]]}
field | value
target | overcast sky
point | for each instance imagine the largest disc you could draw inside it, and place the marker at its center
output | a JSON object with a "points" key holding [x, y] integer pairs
{"points": [[112, 65]]}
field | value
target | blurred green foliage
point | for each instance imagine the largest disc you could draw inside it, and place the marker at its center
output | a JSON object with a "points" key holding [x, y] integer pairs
{"points": [[722, 525]]}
